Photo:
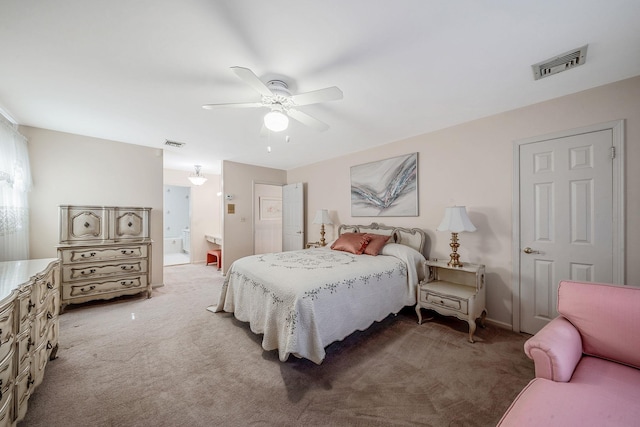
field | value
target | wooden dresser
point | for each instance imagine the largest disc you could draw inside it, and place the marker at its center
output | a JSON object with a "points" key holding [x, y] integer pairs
{"points": [[29, 301], [105, 252]]}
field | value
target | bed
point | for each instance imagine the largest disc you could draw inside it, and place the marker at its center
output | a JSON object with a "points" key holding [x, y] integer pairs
{"points": [[302, 301]]}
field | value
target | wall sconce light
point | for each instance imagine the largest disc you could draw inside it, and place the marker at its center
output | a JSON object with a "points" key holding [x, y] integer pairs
{"points": [[197, 178]]}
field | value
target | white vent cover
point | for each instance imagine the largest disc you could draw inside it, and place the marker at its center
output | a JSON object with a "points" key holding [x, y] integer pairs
{"points": [[175, 144], [566, 61]]}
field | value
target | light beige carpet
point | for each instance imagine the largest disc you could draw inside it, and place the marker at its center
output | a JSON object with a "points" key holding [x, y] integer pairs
{"points": [[167, 361]]}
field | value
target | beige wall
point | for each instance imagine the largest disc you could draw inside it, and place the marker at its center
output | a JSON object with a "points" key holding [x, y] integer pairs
{"points": [[80, 170], [238, 180], [471, 164], [206, 209]]}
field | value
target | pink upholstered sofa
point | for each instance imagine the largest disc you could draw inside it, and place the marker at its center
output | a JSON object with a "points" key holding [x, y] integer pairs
{"points": [[587, 361]]}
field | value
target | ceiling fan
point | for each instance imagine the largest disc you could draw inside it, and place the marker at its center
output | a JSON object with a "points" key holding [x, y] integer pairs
{"points": [[281, 103]]}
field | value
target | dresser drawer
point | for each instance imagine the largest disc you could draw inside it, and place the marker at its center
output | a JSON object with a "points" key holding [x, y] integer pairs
{"points": [[45, 318], [6, 410], [448, 302], [43, 288], [76, 255], [24, 387], [137, 283], [7, 337], [42, 354], [98, 270], [25, 343], [7, 376], [27, 308]]}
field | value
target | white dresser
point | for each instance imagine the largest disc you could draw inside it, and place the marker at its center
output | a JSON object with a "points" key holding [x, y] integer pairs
{"points": [[29, 301], [105, 252]]}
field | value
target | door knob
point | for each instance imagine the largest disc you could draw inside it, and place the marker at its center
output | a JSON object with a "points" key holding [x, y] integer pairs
{"points": [[528, 250]]}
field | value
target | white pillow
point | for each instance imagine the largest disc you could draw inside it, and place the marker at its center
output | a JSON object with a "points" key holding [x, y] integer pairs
{"points": [[414, 260]]}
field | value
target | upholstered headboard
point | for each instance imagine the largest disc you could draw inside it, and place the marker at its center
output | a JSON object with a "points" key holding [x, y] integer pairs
{"points": [[413, 237]]}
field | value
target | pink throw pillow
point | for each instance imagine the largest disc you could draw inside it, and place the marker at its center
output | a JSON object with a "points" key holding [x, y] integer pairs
{"points": [[354, 243], [376, 244]]}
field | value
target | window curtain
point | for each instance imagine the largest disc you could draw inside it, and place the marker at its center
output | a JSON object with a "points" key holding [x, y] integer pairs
{"points": [[15, 184]]}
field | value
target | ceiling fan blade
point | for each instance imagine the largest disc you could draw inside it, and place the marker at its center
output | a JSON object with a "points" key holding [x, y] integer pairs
{"points": [[252, 80], [233, 105], [306, 119], [321, 95]]}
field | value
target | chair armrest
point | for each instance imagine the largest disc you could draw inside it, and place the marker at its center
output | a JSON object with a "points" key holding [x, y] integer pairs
{"points": [[555, 350]]}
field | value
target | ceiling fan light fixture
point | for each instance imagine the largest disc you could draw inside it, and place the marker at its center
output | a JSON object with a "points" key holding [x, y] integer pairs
{"points": [[276, 121]]}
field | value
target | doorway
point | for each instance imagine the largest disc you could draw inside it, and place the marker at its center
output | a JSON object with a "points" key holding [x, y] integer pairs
{"points": [[177, 230], [568, 217]]}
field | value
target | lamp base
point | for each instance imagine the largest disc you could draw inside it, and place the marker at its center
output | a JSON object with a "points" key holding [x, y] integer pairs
{"points": [[322, 241], [454, 258]]}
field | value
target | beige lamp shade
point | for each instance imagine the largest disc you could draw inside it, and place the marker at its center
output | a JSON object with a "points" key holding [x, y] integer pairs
{"points": [[322, 217], [456, 220]]}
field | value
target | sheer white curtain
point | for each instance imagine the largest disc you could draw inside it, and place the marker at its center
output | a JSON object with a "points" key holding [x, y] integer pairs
{"points": [[15, 183]]}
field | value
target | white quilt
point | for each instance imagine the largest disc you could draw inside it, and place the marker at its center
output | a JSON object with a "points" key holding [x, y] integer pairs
{"points": [[302, 301]]}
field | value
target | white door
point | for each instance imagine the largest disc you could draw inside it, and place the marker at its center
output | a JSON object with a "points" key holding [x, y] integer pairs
{"points": [[568, 224], [293, 217]]}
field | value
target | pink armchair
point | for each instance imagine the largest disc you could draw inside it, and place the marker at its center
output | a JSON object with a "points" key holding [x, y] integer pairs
{"points": [[587, 361]]}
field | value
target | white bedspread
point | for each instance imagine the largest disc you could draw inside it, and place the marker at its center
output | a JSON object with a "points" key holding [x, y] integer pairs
{"points": [[303, 301]]}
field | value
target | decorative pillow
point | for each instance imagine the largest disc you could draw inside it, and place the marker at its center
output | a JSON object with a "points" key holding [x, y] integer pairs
{"points": [[375, 244], [355, 243]]}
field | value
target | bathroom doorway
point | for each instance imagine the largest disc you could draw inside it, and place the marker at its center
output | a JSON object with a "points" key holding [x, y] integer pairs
{"points": [[177, 220]]}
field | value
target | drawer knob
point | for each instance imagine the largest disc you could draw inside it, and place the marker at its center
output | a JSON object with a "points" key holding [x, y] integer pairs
{"points": [[127, 284], [87, 290], [90, 255], [86, 225], [129, 223], [127, 267], [125, 252], [49, 345], [30, 306], [49, 285], [49, 315]]}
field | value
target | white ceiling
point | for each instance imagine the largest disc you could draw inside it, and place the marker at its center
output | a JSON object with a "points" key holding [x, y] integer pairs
{"points": [[139, 71]]}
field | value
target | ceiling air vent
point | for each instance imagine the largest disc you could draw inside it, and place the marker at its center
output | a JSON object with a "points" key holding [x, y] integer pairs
{"points": [[175, 144], [566, 61]]}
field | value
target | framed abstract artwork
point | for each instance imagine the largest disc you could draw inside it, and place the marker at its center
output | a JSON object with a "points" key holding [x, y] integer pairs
{"points": [[270, 208], [386, 187]]}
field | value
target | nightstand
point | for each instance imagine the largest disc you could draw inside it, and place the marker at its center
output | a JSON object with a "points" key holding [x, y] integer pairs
{"points": [[454, 291], [313, 245]]}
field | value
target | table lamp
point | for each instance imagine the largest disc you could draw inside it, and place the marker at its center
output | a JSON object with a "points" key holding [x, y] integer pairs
{"points": [[322, 217], [455, 220]]}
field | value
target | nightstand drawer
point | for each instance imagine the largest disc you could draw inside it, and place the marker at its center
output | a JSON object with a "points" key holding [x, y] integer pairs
{"points": [[443, 301]]}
